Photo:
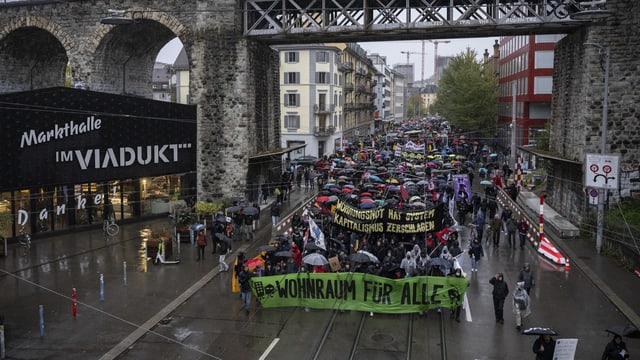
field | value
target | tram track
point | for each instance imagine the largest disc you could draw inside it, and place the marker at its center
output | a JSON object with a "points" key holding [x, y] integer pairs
{"points": [[381, 336]]}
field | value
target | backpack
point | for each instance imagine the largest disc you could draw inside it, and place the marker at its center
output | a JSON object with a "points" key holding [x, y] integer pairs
{"points": [[521, 304], [201, 240]]}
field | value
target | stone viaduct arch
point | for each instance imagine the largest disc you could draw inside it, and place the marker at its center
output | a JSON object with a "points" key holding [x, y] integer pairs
{"points": [[234, 78]]}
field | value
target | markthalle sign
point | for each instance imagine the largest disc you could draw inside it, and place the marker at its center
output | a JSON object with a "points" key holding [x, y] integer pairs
{"points": [[361, 292], [387, 220]]}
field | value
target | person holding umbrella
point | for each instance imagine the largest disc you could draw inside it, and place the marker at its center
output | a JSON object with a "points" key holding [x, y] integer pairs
{"points": [[543, 347], [616, 349]]}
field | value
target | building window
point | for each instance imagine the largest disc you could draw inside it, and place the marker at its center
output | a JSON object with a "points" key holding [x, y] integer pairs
{"points": [[292, 78], [322, 56], [292, 100], [322, 77], [292, 121], [291, 57]]}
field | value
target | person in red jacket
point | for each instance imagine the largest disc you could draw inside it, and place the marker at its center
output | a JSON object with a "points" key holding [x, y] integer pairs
{"points": [[297, 255]]}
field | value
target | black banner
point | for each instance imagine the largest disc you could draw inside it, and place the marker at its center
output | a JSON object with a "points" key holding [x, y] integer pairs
{"points": [[384, 220]]}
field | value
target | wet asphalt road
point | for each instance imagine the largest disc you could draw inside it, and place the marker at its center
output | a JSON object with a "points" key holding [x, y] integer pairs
{"points": [[187, 311]]}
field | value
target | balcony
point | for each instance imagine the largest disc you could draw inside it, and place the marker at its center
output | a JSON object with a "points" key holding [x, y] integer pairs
{"points": [[324, 108], [346, 66], [322, 131], [348, 87]]}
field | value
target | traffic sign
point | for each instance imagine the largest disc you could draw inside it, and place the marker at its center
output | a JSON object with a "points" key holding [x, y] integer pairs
{"points": [[601, 171], [593, 196]]}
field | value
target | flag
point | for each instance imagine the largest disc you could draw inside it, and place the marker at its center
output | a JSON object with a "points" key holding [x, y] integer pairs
{"points": [[316, 234], [404, 194]]}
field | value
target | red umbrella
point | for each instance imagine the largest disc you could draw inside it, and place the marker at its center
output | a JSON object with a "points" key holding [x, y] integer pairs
{"points": [[347, 190], [367, 200], [322, 199], [366, 194]]}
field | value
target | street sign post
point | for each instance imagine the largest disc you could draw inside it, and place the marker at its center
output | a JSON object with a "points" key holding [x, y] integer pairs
{"points": [[601, 171]]}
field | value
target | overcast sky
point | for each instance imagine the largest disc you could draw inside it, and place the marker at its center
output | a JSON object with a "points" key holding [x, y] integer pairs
{"points": [[391, 49]]}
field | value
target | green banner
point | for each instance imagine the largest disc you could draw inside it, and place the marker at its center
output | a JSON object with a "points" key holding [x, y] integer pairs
{"points": [[357, 291]]}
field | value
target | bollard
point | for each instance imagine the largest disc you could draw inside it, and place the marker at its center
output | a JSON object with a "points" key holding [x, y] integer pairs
{"points": [[101, 287], [41, 314], [124, 271], [2, 354], [74, 302], [178, 245]]}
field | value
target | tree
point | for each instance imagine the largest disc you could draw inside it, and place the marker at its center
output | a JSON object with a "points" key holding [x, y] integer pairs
{"points": [[467, 94], [414, 106]]}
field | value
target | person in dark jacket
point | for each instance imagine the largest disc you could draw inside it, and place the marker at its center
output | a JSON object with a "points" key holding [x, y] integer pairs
{"points": [[500, 293], [543, 347], [244, 278], [526, 276], [615, 350]]}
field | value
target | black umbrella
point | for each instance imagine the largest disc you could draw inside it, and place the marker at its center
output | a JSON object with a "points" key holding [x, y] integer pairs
{"points": [[443, 264], [234, 209], [539, 331], [311, 246], [224, 238], [220, 218], [250, 210], [624, 330], [267, 248], [283, 254]]}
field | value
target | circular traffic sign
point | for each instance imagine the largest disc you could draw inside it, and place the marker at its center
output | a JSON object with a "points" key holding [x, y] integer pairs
{"points": [[593, 193], [594, 168]]}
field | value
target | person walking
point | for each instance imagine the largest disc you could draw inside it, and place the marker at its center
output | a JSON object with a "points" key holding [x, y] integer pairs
{"points": [[616, 349], [495, 227], [475, 253], [543, 347], [248, 227], [244, 277], [512, 228], [275, 214], [500, 293], [521, 307], [201, 242], [523, 228], [527, 278], [224, 249]]}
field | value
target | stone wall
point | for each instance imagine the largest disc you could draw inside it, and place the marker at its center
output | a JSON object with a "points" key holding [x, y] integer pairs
{"points": [[578, 92]]}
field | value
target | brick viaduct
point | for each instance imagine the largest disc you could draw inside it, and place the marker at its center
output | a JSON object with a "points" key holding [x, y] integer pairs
{"points": [[234, 79]]}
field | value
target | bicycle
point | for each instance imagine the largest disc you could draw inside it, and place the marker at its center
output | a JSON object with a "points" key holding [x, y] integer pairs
{"points": [[24, 239], [110, 227]]}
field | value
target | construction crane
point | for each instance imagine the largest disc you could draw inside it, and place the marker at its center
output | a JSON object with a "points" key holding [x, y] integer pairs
{"points": [[435, 56], [417, 53]]}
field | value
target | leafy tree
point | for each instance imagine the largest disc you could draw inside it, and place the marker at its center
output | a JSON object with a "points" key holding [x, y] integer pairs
{"points": [[414, 106], [467, 94]]}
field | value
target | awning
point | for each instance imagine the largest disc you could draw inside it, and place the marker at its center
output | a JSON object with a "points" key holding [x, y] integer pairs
{"points": [[276, 153], [547, 155]]}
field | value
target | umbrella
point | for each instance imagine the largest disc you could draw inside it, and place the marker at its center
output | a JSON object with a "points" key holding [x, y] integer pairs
{"points": [[283, 253], [315, 259], [431, 164], [493, 155], [539, 331], [359, 258], [234, 209], [198, 227], [375, 178], [367, 205], [220, 218], [372, 257], [224, 238], [311, 246], [486, 182], [250, 210], [322, 199], [332, 198], [624, 330], [267, 248]]}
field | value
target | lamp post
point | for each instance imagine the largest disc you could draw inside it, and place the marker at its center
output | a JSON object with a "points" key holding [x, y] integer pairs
{"points": [[514, 89], [602, 193]]}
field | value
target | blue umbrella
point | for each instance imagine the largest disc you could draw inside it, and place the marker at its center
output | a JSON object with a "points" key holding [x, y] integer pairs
{"points": [[375, 178], [367, 205]]}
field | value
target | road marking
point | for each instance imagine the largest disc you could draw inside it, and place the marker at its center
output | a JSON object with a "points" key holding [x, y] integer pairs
{"points": [[467, 309], [268, 350]]}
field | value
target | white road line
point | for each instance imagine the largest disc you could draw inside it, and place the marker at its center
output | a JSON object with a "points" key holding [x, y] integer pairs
{"points": [[268, 350], [467, 309]]}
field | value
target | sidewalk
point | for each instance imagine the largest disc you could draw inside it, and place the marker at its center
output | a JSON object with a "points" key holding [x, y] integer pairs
{"points": [[618, 284], [136, 295]]}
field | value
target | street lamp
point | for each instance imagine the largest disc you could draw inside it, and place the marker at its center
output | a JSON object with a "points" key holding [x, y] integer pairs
{"points": [[602, 197]]}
